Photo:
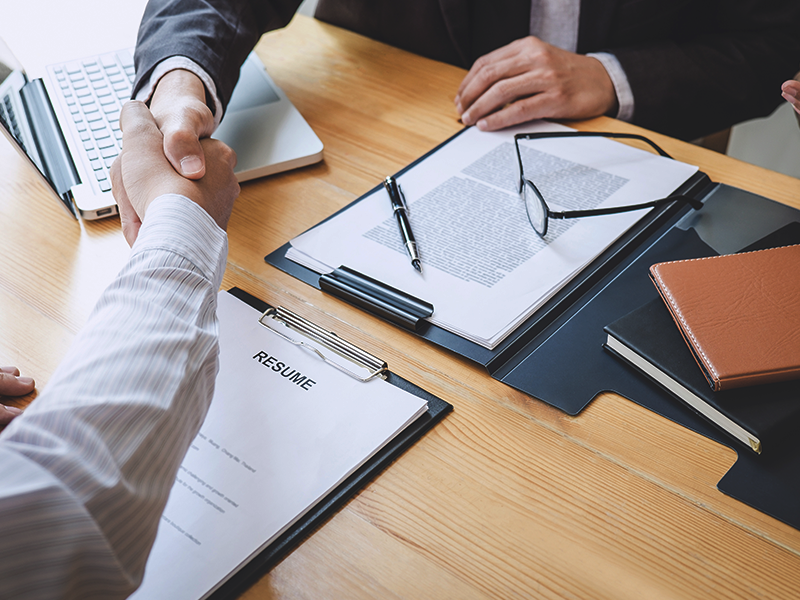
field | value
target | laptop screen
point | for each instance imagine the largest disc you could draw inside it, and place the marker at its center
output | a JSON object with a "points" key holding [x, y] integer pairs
{"points": [[27, 120]]}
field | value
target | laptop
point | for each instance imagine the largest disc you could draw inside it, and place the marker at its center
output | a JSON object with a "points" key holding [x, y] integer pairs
{"points": [[67, 125]]}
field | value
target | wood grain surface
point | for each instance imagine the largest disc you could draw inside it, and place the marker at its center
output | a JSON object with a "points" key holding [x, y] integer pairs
{"points": [[507, 497]]}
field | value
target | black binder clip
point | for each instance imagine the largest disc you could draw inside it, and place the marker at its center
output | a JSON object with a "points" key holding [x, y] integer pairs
{"points": [[378, 298], [361, 358]]}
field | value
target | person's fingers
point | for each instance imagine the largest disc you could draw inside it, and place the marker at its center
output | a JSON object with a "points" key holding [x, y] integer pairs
{"points": [[544, 82], [548, 104], [521, 111], [502, 93], [479, 67], [794, 102], [7, 414], [792, 87], [218, 189], [12, 384], [517, 58], [511, 82], [486, 78], [790, 91]]}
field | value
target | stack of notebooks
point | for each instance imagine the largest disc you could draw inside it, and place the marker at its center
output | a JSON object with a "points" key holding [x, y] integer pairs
{"points": [[725, 339]]}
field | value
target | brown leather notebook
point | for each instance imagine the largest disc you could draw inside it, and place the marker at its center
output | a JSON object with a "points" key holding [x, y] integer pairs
{"points": [[739, 314]]}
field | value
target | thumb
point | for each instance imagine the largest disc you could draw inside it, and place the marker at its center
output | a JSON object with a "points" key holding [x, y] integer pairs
{"points": [[183, 149], [180, 109]]}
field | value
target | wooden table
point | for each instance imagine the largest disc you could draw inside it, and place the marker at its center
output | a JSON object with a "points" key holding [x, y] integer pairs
{"points": [[507, 497]]}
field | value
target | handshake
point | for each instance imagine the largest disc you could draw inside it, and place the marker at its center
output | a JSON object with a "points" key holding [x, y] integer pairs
{"points": [[160, 156]]}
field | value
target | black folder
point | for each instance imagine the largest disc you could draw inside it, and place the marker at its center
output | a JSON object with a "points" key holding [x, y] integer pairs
{"points": [[328, 506], [557, 354], [400, 309]]}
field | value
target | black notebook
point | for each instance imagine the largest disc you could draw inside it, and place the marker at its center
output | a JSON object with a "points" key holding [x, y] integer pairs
{"points": [[649, 340]]}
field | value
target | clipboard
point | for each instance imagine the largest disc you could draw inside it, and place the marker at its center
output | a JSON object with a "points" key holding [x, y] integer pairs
{"points": [[557, 354], [255, 496], [323, 510]]}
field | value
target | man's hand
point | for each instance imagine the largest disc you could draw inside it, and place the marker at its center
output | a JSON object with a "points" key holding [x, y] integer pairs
{"points": [[530, 79], [790, 91], [11, 384], [142, 173], [179, 107]]}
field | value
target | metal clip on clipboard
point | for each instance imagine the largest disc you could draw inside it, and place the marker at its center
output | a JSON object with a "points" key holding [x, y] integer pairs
{"points": [[375, 366]]}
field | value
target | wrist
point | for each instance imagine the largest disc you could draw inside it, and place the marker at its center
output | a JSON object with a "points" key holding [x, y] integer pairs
{"points": [[623, 94], [175, 84]]}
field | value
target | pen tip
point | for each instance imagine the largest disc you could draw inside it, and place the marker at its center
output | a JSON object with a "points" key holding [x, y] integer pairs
{"points": [[417, 265]]}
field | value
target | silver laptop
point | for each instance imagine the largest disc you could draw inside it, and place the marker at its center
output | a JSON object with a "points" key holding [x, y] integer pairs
{"points": [[67, 125]]}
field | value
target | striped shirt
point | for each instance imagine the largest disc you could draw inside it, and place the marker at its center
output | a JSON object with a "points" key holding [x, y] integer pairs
{"points": [[86, 471]]}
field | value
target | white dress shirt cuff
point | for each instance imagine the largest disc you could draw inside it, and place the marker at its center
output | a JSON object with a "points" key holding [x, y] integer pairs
{"points": [[181, 62], [175, 223], [620, 81]]}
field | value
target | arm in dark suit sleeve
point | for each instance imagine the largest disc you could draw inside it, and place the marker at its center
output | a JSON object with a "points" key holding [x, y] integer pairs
{"points": [[726, 66], [216, 34]]}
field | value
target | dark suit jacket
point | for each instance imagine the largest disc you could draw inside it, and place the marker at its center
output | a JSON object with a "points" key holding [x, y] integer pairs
{"points": [[695, 66]]}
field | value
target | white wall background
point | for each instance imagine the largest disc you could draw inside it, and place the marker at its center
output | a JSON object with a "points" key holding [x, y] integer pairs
{"points": [[773, 142], [307, 7]]}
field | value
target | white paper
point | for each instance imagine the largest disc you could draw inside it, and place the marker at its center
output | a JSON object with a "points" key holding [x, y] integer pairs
{"points": [[273, 444], [484, 268]]}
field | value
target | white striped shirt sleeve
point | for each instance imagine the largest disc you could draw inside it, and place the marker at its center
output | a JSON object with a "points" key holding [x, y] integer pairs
{"points": [[86, 471]]}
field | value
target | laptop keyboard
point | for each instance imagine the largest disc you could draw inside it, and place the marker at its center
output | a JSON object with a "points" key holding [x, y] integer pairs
{"points": [[93, 91], [9, 119]]}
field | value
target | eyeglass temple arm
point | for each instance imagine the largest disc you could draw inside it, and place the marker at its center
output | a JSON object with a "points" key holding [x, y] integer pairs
{"points": [[571, 214], [557, 134], [519, 159]]}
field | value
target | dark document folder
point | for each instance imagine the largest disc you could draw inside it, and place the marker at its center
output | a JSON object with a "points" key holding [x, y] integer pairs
{"points": [[557, 355], [390, 305]]}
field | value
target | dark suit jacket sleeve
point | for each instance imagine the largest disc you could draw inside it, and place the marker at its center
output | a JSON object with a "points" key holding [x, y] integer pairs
{"points": [[216, 34], [694, 66], [722, 65]]}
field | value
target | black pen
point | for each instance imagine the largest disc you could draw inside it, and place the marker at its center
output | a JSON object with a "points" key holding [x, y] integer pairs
{"points": [[401, 214]]}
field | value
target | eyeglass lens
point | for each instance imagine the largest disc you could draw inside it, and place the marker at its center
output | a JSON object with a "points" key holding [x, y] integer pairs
{"points": [[535, 207]]}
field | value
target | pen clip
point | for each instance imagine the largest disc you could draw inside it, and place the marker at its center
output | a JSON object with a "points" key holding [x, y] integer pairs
{"points": [[396, 194], [403, 199]]}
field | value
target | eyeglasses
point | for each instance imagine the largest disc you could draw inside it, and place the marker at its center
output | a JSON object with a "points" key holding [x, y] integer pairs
{"points": [[539, 214]]}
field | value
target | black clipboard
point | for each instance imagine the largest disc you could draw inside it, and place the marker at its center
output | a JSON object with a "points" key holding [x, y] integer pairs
{"points": [[327, 507]]}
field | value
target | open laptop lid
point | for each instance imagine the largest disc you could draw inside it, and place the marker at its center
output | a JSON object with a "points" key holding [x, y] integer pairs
{"points": [[28, 122], [96, 27], [267, 132], [261, 124]]}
